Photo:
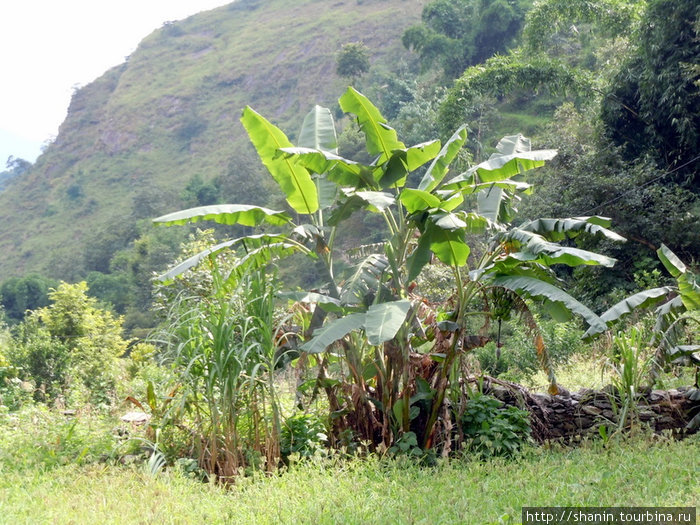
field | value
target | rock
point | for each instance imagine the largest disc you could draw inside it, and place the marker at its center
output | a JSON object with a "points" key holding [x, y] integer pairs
{"points": [[591, 410], [136, 417]]}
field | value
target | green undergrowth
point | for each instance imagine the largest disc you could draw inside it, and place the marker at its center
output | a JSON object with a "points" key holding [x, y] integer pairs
{"points": [[41, 439], [641, 471]]}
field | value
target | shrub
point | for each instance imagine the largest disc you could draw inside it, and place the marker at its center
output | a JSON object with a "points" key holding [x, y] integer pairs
{"points": [[492, 430], [518, 359], [71, 344], [302, 434]]}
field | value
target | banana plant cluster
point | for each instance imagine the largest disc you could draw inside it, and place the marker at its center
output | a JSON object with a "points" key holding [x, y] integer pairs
{"points": [[676, 307], [372, 320]]}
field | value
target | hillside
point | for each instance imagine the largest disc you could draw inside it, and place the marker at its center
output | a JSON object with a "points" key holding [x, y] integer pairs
{"points": [[134, 137]]}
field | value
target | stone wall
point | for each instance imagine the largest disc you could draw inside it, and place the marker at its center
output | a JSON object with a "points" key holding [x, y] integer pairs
{"points": [[580, 413]]}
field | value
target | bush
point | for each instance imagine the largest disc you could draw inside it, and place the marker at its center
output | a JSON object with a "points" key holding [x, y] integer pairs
{"points": [[492, 430], [71, 345], [302, 434]]}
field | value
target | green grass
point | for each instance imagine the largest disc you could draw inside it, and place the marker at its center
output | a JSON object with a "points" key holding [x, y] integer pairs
{"points": [[637, 472], [58, 469]]}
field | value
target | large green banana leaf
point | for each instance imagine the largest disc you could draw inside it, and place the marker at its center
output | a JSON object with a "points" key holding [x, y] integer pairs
{"points": [[536, 249], [559, 229], [333, 331], [244, 214], [365, 280], [318, 131], [384, 320], [440, 165], [687, 286], [535, 288], [381, 138], [381, 323], [295, 180], [252, 240], [644, 299]]}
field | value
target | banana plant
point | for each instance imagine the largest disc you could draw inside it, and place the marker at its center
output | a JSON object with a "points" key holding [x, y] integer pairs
{"points": [[372, 320], [675, 307]]}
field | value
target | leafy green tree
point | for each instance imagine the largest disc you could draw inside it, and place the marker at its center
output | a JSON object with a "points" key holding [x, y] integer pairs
{"points": [[20, 294], [112, 289], [459, 33], [198, 192], [591, 176], [352, 60], [653, 105], [15, 167], [551, 21], [501, 76], [71, 344]]}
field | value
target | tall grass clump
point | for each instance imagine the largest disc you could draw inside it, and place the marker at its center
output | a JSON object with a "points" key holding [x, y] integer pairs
{"points": [[221, 346]]}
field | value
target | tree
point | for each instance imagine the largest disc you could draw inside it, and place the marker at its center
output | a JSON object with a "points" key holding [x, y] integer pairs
{"points": [[502, 75], [20, 294], [15, 167], [200, 193], [352, 60], [590, 175], [626, 169], [459, 33], [371, 317], [71, 344], [548, 20], [653, 104]]}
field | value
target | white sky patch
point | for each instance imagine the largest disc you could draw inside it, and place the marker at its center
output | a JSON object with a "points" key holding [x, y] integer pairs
{"points": [[48, 47]]}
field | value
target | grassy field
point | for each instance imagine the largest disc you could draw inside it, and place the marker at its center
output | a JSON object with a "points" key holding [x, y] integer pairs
{"points": [[642, 471]]}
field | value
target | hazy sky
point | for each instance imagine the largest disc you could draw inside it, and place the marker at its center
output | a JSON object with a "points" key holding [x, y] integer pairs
{"points": [[49, 46]]}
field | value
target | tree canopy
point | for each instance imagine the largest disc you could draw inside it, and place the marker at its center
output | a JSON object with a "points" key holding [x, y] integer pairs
{"points": [[653, 103], [459, 33]]}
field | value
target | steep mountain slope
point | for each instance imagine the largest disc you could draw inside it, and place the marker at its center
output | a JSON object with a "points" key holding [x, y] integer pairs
{"points": [[134, 137]]}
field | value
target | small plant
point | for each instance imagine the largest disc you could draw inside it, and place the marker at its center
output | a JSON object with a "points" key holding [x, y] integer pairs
{"points": [[407, 444], [629, 367], [492, 430], [302, 434]]}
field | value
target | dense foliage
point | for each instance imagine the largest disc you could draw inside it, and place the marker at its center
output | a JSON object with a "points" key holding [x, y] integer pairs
{"points": [[70, 347], [356, 301], [653, 104], [404, 356], [458, 34]]}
